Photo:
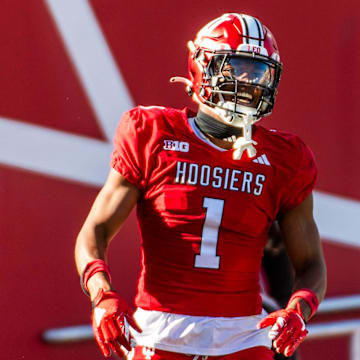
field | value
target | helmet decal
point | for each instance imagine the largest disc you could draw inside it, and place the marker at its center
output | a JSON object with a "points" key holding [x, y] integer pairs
{"points": [[251, 28]]}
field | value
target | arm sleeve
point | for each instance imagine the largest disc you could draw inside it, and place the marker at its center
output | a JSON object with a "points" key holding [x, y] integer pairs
{"points": [[127, 157], [303, 181]]}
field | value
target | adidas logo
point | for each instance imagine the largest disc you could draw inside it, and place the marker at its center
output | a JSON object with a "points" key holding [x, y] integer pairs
{"points": [[262, 160]]}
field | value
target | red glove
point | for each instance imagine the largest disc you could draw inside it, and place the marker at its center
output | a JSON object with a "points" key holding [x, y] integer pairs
{"points": [[111, 318], [287, 330]]}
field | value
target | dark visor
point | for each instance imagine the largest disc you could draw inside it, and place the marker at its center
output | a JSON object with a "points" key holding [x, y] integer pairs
{"points": [[243, 69]]}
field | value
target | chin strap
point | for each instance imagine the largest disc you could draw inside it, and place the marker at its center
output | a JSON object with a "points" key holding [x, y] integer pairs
{"points": [[245, 142]]}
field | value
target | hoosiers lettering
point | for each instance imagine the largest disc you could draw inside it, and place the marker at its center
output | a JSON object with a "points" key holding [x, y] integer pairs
{"points": [[218, 177]]}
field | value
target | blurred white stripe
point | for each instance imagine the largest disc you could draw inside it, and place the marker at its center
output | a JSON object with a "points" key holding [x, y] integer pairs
{"points": [[93, 61], [53, 152], [68, 334], [338, 218]]}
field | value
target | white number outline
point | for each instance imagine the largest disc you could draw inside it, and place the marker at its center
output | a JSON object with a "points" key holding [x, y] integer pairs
{"points": [[210, 234]]}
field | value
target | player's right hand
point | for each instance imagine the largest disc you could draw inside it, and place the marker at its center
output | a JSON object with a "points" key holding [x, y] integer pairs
{"points": [[111, 318]]}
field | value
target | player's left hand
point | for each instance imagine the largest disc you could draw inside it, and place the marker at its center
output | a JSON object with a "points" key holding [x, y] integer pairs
{"points": [[287, 331], [111, 319]]}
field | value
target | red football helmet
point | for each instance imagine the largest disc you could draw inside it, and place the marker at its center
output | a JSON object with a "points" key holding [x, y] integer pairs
{"points": [[234, 67]]}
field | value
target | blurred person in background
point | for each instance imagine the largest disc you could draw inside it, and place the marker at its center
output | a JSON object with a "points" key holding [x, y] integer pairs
{"points": [[207, 187], [277, 278]]}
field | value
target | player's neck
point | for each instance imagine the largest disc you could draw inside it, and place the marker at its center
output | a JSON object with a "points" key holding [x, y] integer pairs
{"points": [[215, 129]]}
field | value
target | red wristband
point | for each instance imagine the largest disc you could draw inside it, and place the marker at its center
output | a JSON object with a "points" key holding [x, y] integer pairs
{"points": [[92, 268], [310, 297]]}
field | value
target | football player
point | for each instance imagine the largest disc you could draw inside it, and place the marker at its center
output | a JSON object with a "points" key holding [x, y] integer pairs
{"points": [[207, 187]]}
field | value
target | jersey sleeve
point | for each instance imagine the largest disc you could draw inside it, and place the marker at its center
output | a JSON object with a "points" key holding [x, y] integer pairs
{"points": [[128, 158], [303, 180]]}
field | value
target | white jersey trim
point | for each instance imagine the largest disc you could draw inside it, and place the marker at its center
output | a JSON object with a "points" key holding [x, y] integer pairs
{"points": [[199, 335]]}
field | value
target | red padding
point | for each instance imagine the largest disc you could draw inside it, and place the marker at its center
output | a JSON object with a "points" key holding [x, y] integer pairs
{"points": [[92, 268], [310, 297]]}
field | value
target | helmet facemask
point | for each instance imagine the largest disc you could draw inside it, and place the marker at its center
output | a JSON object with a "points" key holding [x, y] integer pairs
{"points": [[240, 85], [240, 89]]}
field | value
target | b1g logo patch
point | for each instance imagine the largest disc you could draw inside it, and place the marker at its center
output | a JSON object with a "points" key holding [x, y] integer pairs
{"points": [[175, 145]]}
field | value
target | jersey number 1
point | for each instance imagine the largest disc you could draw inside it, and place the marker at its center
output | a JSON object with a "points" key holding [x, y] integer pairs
{"points": [[207, 257]]}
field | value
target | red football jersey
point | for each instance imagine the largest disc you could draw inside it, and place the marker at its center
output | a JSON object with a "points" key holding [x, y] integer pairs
{"points": [[204, 217]]}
